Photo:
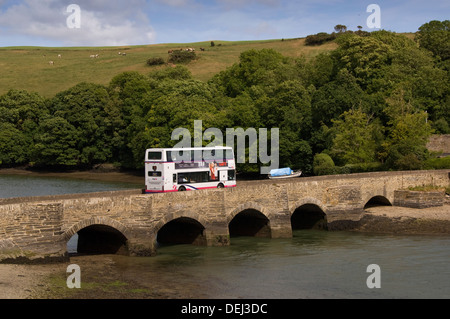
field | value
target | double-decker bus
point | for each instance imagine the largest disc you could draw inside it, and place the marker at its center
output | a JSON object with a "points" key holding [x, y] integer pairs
{"points": [[185, 169]]}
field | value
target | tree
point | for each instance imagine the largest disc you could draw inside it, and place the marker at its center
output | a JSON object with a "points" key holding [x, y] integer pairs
{"points": [[366, 58], [56, 143], [407, 142], [408, 134], [89, 110], [129, 93], [435, 37], [264, 68], [175, 104], [336, 97], [323, 164], [340, 28], [354, 141], [20, 114], [14, 145]]}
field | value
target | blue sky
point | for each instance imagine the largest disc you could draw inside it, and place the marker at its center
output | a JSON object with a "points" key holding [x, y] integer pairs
{"points": [[131, 22]]}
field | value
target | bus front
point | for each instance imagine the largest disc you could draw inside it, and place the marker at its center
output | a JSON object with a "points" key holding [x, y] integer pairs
{"points": [[154, 170]]}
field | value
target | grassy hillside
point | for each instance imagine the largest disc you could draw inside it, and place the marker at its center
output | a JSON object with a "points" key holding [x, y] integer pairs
{"points": [[28, 68]]}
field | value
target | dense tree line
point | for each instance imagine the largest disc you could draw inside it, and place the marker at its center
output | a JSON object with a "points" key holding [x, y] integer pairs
{"points": [[371, 104]]}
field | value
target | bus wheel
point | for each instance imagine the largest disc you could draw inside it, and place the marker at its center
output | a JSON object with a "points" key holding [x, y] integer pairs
{"points": [[220, 185], [182, 189]]}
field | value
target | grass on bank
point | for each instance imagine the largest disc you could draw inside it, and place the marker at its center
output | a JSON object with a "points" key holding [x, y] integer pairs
{"points": [[56, 288], [29, 68], [430, 188]]}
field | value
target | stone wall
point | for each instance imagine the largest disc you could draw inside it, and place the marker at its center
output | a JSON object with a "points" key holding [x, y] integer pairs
{"points": [[32, 232], [419, 199], [439, 143]]}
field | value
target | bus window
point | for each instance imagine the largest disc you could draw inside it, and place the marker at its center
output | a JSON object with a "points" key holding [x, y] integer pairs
{"points": [[231, 175], [183, 178], [179, 156], [174, 178], [195, 177], [154, 156], [229, 154]]}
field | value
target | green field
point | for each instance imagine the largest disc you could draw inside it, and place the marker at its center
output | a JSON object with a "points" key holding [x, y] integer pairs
{"points": [[28, 68]]}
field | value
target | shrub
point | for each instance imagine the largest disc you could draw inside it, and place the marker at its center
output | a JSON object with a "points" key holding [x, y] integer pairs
{"points": [[155, 61], [323, 164], [438, 163], [360, 168], [182, 56], [319, 38]]}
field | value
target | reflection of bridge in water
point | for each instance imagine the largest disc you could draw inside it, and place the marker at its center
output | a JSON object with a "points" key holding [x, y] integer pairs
{"points": [[128, 222]]}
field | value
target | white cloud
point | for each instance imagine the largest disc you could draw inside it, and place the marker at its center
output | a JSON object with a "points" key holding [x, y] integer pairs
{"points": [[175, 3], [103, 23], [239, 3]]}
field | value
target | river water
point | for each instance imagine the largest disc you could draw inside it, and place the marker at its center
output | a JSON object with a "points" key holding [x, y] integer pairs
{"points": [[312, 264]]}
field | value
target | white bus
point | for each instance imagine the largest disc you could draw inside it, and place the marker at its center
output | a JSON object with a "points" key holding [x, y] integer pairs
{"points": [[185, 169]]}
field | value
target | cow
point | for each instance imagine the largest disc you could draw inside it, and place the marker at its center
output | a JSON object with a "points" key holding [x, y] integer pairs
{"points": [[51, 62], [59, 56]]}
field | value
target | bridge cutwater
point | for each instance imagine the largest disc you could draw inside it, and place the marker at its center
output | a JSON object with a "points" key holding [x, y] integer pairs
{"points": [[37, 229]]}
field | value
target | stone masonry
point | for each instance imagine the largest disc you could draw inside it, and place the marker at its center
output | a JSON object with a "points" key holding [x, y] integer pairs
{"points": [[36, 229]]}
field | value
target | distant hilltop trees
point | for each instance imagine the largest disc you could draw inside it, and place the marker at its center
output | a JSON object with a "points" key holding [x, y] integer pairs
{"points": [[323, 37]]}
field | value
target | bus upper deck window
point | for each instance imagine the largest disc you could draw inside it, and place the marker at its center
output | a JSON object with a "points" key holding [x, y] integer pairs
{"points": [[154, 156]]}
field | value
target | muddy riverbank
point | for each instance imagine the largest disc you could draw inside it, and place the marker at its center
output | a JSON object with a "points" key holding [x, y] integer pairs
{"points": [[406, 221]]}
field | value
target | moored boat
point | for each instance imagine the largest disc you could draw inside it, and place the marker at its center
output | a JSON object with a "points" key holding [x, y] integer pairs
{"points": [[286, 172]]}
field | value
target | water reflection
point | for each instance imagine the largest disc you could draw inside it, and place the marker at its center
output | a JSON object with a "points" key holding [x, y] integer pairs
{"points": [[313, 264], [22, 186]]}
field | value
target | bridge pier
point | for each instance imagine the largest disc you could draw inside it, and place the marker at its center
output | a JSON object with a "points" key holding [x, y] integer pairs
{"points": [[140, 248], [217, 234], [343, 220], [280, 225]]}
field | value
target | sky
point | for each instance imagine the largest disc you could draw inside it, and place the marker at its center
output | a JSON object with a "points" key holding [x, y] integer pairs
{"points": [[56, 23]]}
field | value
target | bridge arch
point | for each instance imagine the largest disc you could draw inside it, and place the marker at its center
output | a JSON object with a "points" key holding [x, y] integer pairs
{"points": [[181, 228], [308, 213], [106, 221], [377, 200], [249, 219], [99, 235]]}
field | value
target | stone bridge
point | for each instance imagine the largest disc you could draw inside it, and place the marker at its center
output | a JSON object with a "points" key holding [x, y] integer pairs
{"points": [[37, 229]]}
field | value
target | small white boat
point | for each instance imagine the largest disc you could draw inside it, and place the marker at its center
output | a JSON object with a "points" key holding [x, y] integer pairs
{"points": [[283, 173]]}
